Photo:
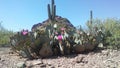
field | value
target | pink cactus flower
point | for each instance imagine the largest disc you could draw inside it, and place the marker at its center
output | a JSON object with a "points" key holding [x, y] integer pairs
{"points": [[59, 37], [63, 29], [56, 33], [24, 32]]}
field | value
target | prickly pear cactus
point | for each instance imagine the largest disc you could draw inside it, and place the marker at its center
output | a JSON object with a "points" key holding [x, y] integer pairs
{"points": [[54, 36]]}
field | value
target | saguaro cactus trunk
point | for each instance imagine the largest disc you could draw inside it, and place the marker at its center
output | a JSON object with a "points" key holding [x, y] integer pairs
{"points": [[52, 11], [91, 17], [91, 21]]}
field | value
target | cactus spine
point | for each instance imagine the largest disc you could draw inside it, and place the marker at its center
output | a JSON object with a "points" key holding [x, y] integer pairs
{"points": [[52, 11]]}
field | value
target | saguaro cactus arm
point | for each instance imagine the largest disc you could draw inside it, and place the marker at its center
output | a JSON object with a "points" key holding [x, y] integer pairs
{"points": [[49, 12]]}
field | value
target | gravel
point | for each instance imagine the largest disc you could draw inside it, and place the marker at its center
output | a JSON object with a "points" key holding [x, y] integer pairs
{"points": [[101, 59]]}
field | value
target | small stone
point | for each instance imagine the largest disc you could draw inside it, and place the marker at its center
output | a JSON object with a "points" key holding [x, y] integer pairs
{"points": [[119, 60], [43, 65], [49, 64], [33, 62], [23, 54], [80, 59], [3, 60], [52, 67], [59, 65], [21, 65], [85, 62], [11, 52], [100, 45], [105, 52]]}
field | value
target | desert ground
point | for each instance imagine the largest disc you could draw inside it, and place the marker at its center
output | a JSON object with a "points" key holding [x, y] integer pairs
{"points": [[104, 58]]}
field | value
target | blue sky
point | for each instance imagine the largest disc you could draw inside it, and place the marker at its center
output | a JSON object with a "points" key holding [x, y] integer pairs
{"points": [[22, 14]]}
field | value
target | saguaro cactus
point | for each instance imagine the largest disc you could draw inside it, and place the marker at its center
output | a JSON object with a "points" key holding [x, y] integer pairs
{"points": [[90, 22], [52, 11], [91, 17]]}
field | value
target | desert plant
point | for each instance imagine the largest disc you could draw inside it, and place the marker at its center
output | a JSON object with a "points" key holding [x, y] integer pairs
{"points": [[51, 11], [4, 35], [112, 31]]}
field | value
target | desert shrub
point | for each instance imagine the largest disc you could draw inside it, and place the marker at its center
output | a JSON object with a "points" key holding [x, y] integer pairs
{"points": [[110, 28], [4, 35]]}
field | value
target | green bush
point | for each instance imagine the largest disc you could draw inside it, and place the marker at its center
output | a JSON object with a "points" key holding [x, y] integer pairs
{"points": [[111, 30], [112, 27], [4, 35]]}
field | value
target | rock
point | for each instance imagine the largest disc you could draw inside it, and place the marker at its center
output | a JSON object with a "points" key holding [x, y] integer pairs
{"points": [[118, 65], [100, 45], [52, 66], [33, 62], [23, 54], [59, 65], [21, 65], [79, 48], [105, 52], [89, 46], [43, 65], [119, 60], [49, 63], [11, 52], [60, 21], [46, 51], [79, 59], [3, 60]]}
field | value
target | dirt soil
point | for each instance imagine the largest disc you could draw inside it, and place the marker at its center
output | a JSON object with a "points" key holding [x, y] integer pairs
{"points": [[95, 59]]}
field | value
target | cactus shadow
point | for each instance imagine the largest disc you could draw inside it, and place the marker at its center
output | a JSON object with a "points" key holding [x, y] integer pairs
{"points": [[72, 55]]}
